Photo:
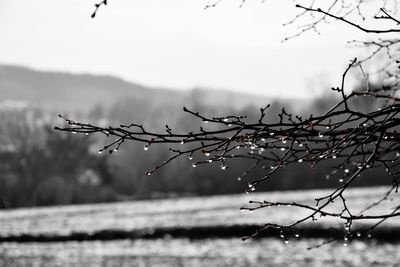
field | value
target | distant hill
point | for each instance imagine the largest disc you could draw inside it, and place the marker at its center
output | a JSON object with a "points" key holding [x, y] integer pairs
{"points": [[68, 92]]}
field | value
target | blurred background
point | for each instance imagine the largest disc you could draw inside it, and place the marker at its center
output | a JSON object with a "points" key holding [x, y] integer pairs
{"points": [[142, 62], [42, 166]]}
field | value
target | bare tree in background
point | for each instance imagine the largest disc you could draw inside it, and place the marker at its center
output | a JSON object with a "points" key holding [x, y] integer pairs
{"points": [[353, 140]]}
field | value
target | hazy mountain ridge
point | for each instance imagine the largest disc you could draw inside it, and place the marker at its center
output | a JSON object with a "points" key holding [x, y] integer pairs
{"points": [[63, 91]]}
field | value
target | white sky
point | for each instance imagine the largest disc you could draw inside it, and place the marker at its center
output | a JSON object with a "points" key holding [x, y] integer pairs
{"points": [[177, 44]]}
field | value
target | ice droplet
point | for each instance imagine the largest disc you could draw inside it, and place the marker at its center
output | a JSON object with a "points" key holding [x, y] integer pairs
{"points": [[346, 170], [300, 160], [207, 154], [194, 165], [146, 147]]}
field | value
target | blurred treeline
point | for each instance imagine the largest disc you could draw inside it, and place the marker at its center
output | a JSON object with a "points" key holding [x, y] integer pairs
{"points": [[41, 166]]}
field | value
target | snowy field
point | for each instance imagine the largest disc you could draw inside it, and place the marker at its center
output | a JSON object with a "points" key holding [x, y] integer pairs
{"points": [[186, 213]]}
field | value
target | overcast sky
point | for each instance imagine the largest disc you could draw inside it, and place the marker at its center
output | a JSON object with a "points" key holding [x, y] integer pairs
{"points": [[177, 44]]}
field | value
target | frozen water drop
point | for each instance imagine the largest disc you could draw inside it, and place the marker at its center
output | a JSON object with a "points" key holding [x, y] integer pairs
{"points": [[194, 165], [146, 147], [300, 160], [346, 170]]}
